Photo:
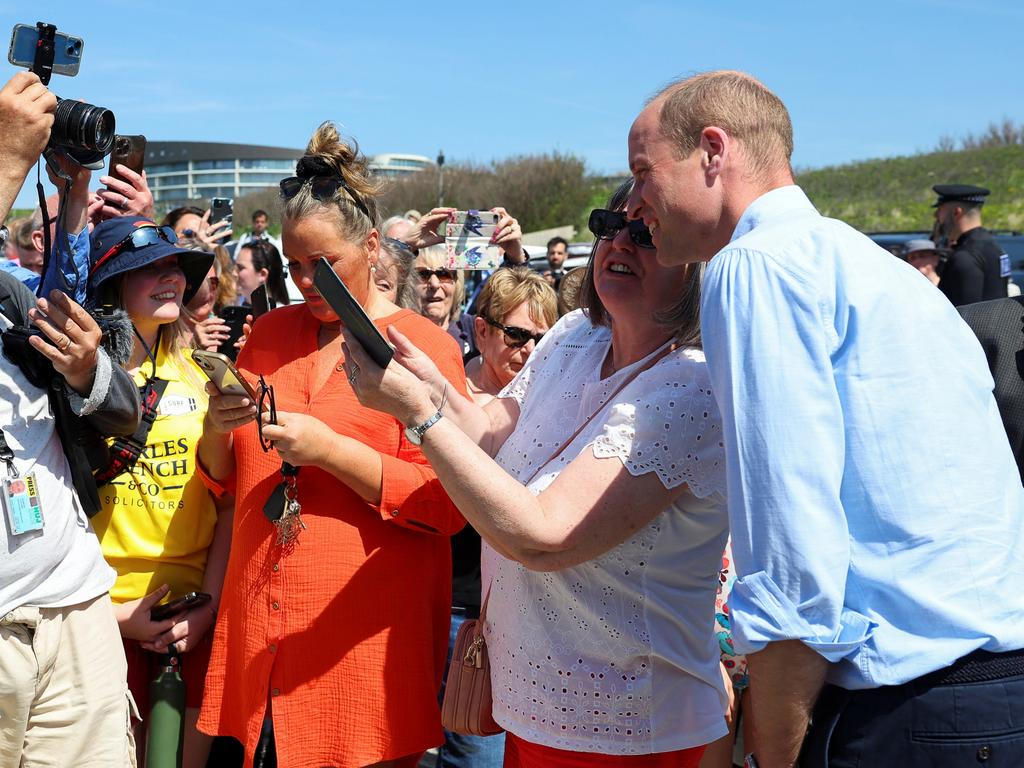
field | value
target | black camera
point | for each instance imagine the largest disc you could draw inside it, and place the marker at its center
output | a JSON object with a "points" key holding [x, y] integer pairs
{"points": [[82, 131]]}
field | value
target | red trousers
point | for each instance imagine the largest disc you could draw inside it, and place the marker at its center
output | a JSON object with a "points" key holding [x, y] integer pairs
{"points": [[524, 754]]}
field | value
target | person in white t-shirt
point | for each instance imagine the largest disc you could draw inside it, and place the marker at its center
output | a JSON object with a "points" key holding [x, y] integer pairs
{"points": [[602, 513]]}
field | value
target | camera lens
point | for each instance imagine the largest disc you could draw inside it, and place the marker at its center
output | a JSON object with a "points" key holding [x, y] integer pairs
{"points": [[77, 125]]}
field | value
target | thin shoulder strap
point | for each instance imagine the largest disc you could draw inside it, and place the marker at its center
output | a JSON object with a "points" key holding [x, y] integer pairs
{"points": [[622, 385]]}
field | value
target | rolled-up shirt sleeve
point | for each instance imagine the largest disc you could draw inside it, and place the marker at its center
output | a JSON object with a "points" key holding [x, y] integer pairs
{"points": [[70, 277], [769, 339]]}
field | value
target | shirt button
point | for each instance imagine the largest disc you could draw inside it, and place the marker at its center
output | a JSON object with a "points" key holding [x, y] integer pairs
{"points": [[272, 648], [984, 753], [275, 692], [277, 567], [394, 513], [275, 605]]}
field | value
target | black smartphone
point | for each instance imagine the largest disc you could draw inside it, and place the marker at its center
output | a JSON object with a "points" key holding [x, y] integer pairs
{"points": [[235, 318], [129, 151], [220, 209], [178, 605], [260, 300], [333, 291]]}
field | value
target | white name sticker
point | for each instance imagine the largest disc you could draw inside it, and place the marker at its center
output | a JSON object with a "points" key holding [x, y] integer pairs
{"points": [[175, 405]]}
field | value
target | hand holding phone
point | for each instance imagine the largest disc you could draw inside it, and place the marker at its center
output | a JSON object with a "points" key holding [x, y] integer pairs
{"points": [[179, 605], [222, 372]]}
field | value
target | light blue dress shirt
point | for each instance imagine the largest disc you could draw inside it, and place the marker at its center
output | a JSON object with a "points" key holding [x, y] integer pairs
{"points": [[876, 510], [71, 277]]}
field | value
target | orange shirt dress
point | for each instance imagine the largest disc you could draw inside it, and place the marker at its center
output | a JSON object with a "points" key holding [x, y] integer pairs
{"points": [[345, 631]]}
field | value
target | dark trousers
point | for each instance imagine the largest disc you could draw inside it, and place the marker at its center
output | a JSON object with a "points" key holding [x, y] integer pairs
{"points": [[930, 722]]}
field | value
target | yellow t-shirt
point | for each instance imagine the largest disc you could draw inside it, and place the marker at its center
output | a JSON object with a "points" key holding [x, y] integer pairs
{"points": [[158, 518]]}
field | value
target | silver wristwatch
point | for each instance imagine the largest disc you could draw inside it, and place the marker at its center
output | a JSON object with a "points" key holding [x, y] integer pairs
{"points": [[415, 434]]}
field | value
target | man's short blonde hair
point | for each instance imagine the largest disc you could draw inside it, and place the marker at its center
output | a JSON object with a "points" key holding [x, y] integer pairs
{"points": [[740, 105]]}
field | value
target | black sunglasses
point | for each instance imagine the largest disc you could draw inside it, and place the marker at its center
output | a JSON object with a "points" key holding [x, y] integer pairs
{"points": [[265, 398], [137, 238], [442, 275], [607, 224], [322, 189], [515, 338]]}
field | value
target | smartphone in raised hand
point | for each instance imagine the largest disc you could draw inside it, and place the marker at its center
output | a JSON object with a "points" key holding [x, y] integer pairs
{"points": [[338, 298]]}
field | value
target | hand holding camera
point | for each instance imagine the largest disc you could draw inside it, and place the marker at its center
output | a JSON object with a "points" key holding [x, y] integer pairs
{"points": [[26, 117]]}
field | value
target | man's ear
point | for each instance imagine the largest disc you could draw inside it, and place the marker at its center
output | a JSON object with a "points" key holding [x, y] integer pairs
{"points": [[715, 147], [38, 242]]}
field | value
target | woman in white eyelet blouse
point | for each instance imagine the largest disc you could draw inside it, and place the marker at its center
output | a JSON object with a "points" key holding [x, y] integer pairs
{"points": [[603, 562]]}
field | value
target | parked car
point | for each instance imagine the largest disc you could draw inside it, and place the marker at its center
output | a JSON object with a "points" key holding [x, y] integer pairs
{"points": [[578, 256]]}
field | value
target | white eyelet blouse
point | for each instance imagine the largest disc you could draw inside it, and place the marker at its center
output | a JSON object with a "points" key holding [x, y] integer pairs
{"points": [[615, 655]]}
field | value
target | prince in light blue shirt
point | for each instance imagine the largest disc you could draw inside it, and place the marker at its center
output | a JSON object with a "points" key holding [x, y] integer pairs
{"points": [[876, 511]]}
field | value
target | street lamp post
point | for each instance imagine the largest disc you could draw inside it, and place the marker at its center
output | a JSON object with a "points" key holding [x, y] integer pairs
{"points": [[440, 179]]}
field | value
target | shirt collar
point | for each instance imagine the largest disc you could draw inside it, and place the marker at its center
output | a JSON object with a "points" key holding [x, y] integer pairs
{"points": [[769, 206]]}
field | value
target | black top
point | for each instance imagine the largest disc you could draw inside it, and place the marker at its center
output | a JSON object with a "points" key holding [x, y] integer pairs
{"points": [[999, 326], [978, 269]]}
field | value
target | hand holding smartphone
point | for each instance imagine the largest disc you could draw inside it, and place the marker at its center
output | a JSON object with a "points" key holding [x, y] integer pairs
{"points": [[222, 372], [179, 605]]}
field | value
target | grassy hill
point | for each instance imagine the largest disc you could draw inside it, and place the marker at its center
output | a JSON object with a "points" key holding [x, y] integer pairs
{"points": [[896, 193]]}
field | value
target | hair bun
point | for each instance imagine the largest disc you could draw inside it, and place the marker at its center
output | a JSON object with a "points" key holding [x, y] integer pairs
{"points": [[327, 154]]}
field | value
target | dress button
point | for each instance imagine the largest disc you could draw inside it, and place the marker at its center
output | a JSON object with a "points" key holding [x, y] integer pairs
{"points": [[394, 513], [272, 648], [340, 368], [277, 567], [275, 692], [275, 605], [984, 753]]}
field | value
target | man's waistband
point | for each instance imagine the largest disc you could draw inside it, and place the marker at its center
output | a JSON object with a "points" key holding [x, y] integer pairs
{"points": [[977, 667]]}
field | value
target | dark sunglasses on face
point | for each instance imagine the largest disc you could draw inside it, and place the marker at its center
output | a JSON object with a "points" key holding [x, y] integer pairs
{"points": [[442, 275], [139, 238], [322, 188], [607, 224], [515, 338]]}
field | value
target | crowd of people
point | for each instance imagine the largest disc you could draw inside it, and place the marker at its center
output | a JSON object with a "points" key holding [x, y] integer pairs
{"points": [[744, 478]]}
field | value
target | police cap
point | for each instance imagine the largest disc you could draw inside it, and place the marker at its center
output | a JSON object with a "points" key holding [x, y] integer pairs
{"points": [[959, 193]]}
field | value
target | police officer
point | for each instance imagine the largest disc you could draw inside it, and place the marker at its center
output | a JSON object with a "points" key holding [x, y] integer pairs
{"points": [[978, 268]]}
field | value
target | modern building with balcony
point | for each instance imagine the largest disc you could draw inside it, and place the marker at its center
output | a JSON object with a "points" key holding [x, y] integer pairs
{"points": [[180, 171]]}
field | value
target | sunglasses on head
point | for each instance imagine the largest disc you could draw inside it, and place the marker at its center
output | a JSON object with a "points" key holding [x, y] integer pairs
{"points": [[322, 188], [514, 337], [139, 237], [442, 275], [607, 224]]}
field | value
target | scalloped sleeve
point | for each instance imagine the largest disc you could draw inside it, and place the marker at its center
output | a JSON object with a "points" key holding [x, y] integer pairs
{"points": [[667, 422]]}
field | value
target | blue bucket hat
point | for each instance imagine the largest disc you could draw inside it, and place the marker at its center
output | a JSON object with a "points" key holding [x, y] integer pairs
{"points": [[126, 243]]}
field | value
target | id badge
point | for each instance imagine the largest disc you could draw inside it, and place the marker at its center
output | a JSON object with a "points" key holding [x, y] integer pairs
{"points": [[21, 501]]}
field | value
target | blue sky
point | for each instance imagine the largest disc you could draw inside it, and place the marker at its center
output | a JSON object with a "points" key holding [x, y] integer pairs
{"points": [[486, 80]]}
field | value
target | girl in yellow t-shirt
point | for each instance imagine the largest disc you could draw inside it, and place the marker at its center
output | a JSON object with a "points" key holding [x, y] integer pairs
{"points": [[160, 528]]}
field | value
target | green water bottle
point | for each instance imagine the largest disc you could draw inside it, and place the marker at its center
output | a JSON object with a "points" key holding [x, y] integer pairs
{"points": [[166, 733]]}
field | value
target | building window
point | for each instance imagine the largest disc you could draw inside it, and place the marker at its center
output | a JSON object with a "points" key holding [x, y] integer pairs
{"points": [[205, 165], [214, 192], [168, 181], [214, 178], [268, 164], [166, 168]]}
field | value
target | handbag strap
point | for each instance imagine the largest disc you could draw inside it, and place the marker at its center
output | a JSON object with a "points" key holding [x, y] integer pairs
{"points": [[669, 347]]}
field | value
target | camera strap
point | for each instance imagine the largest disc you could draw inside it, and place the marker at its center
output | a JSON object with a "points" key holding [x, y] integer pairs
{"points": [[7, 455], [125, 451]]}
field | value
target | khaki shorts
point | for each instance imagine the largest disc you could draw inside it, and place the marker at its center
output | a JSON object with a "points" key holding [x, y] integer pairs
{"points": [[63, 696]]}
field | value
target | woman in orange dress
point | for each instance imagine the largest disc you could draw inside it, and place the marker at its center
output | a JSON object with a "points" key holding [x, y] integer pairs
{"points": [[329, 645]]}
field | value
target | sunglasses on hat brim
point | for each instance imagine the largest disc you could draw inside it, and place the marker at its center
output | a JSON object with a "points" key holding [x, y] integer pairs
{"points": [[136, 239], [607, 224]]}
